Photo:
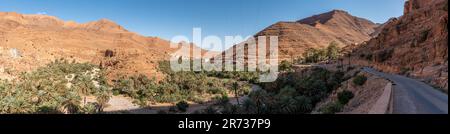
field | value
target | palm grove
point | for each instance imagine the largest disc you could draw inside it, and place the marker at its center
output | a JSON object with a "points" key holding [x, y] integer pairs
{"points": [[62, 87]]}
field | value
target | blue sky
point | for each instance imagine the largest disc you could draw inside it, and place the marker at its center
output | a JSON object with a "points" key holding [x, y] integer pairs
{"points": [[169, 18]]}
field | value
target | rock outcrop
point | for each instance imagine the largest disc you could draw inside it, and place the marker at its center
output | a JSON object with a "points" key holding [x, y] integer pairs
{"points": [[415, 44]]}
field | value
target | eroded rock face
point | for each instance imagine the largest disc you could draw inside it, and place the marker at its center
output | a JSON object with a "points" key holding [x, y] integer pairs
{"points": [[415, 44], [413, 5]]}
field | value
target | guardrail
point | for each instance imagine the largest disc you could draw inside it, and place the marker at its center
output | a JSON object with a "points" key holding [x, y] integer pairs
{"points": [[384, 104]]}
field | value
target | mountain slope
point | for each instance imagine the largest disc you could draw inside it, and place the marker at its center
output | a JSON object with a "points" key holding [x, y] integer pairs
{"points": [[40, 39], [318, 32], [415, 44]]}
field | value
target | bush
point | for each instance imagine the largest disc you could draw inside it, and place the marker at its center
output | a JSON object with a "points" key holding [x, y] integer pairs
{"points": [[332, 108], [222, 100], [182, 106], [360, 80], [285, 66], [210, 110], [248, 105], [296, 105], [230, 109], [345, 96], [404, 70], [246, 89], [217, 90], [116, 92]]}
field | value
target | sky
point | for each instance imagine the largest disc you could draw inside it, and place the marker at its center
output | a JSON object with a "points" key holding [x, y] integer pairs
{"points": [[169, 18]]}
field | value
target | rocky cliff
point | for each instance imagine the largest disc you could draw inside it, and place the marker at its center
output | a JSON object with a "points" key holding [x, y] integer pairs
{"points": [[415, 44]]}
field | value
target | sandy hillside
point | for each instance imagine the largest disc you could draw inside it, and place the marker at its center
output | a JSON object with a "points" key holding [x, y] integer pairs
{"points": [[30, 41]]}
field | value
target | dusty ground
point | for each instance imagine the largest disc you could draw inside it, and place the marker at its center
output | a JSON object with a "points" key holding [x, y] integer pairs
{"points": [[121, 104], [365, 95], [124, 105]]}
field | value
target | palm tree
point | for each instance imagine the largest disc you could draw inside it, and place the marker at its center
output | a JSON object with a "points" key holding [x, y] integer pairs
{"points": [[102, 100], [259, 97], [235, 88]]}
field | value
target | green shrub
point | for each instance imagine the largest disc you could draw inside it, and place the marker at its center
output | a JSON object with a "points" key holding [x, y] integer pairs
{"points": [[296, 105], [287, 91], [182, 106], [48, 110], [217, 90], [230, 109], [285, 66], [90, 108], [210, 110], [116, 92], [333, 51], [222, 100], [303, 105], [360, 80], [404, 70], [332, 108], [248, 105], [345, 96]]}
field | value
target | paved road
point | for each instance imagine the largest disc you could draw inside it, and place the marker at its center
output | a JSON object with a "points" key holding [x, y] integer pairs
{"points": [[413, 96]]}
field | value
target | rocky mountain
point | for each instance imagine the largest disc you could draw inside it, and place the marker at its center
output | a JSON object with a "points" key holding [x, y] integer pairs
{"points": [[37, 40], [415, 44], [318, 31]]}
